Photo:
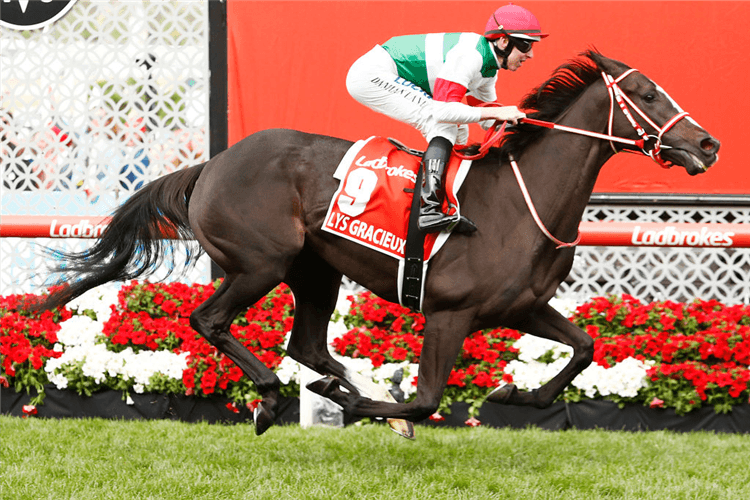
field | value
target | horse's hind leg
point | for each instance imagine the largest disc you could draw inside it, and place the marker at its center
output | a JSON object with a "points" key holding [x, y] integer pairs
{"points": [[550, 324], [443, 338], [316, 285], [213, 318]]}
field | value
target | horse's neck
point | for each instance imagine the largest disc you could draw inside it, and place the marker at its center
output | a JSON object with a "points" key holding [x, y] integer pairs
{"points": [[563, 166]]}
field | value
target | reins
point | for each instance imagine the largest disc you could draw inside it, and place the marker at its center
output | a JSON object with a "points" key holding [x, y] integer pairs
{"points": [[616, 94], [534, 214]]}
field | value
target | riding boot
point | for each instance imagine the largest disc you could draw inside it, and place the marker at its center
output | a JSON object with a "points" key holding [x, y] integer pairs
{"points": [[431, 216]]}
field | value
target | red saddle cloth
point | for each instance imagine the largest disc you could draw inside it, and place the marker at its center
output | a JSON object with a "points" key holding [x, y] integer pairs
{"points": [[371, 206]]}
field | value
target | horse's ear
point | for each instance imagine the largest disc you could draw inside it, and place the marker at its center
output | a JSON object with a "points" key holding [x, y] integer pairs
{"points": [[606, 64]]}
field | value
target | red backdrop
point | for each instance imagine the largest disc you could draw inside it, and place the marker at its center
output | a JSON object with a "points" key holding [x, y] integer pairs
{"points": [[288, 62]]}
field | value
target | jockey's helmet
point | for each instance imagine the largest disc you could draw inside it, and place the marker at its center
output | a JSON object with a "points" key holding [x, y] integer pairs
{"points": [[514, 21]]}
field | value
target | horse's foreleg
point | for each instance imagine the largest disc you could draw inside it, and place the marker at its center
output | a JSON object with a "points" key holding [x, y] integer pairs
{"points": [[550, 324], [443, 338], [213, 318]]}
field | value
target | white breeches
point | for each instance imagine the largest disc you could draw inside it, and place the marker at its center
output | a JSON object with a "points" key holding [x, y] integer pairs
{"points": [[373, 81]]}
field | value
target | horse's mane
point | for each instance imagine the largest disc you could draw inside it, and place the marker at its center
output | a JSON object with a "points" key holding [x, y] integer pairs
{"points": [[551, 98]]}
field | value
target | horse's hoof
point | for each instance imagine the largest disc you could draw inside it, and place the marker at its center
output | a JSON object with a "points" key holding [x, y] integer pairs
{"points": [[502, 394], [263, 419], [324, 386], [402, 427]]}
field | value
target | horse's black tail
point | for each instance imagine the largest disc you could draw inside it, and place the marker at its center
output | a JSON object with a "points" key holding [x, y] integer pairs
{"points": [[138, 239]]}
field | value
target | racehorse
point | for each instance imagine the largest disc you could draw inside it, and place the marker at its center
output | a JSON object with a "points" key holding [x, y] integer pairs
{"points": [[258, 207]]}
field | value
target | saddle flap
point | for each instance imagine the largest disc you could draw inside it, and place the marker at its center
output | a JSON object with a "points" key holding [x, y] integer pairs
{"points": [[372, 203]]}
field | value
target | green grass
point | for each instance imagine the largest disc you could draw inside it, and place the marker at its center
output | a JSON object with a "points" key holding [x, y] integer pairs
{"points": [[95, 459]]}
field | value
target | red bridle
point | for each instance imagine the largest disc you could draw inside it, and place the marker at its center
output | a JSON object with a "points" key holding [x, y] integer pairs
{"points": [[616, 94]]}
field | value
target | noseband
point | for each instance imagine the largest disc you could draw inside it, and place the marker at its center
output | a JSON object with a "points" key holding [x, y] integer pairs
{"points": [[650, 145]]}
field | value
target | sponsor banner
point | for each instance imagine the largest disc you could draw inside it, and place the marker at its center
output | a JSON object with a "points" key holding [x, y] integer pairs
{"points": [[665, 234], [592, 233], [42, 226]]}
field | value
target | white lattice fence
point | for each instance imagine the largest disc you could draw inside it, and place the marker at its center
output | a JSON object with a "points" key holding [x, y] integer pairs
{"points": [[110, 97], [679, 274]]}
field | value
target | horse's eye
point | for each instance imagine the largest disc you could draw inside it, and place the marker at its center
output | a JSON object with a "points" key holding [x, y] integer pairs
{"points": [[650, 97]]}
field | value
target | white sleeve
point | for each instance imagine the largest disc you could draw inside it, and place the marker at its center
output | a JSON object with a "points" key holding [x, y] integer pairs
{"points": [[454, 112]]}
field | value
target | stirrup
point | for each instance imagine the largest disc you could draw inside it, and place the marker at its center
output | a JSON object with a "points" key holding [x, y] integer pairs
{"points": [[429, 223], [455, 223]]}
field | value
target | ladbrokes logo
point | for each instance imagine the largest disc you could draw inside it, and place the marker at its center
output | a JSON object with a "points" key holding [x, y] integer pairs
{"points": [[32, 14], [83, 229], [670, 236]]}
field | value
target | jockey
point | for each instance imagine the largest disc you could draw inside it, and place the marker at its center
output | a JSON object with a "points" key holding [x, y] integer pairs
{"points": [[421, 80]]}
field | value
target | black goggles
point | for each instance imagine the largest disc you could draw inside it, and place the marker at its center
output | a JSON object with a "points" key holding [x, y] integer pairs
{"points": [[521, 44]]}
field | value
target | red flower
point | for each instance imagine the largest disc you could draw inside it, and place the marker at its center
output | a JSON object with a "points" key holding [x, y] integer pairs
{"points": [[399, 354], [169, 307], [457, 378], [437, 417], [592, 330], [484, 379], [29, 409], [208, 381], [377, 360], [188, 378], [473, 422], [656, 403]]}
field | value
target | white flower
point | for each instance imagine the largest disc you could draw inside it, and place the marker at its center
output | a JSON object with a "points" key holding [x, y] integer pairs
{"points": [[98, 362], [79, 330], [59, 380], [625, 378], [533, 374], [532, 348], [566, 307], [97, 299], [288, 370]]}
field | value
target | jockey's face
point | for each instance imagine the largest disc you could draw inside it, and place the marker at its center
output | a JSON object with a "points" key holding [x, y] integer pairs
{"points": [[516, 57]]}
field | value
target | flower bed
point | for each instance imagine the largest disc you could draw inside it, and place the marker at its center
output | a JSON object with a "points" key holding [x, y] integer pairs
{"points": [[138, 340]]}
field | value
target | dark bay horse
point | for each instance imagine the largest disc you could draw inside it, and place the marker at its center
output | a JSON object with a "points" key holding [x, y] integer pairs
{"points": [[258, 207]]}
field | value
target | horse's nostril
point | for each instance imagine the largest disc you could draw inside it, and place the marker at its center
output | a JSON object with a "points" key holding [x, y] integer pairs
{"points": [[709, 144]]}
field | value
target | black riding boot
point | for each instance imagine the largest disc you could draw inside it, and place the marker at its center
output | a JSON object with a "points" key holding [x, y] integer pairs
{"points": [[431, 216]]}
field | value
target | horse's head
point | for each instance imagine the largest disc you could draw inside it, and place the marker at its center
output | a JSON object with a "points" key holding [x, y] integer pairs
{"points": [[641, 108]]}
